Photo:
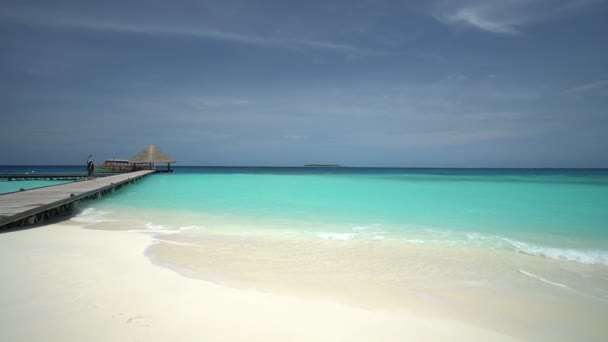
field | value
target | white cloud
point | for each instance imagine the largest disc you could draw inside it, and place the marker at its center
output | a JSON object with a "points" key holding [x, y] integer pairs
{"points": [[493, 116], [457, 77], [505, 16], [215, 101], [70, 21], [584, 88], [478, 17], [446, 137]]}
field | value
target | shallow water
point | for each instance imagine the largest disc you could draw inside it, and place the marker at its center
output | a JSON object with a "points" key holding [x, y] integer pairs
{"points": [[12, 186], [533, 211]]}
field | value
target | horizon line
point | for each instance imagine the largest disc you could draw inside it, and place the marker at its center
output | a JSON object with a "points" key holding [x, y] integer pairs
{"points": [[347, 167]]}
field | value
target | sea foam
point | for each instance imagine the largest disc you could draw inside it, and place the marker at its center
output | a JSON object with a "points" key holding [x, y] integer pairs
{"points": [[336, 236], [364, 232], [590, 257], [190, 228], [152, 226], [532, 275], [92, 215]]}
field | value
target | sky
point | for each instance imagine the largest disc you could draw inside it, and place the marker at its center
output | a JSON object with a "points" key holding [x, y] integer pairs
{"points": [[436, 83]]}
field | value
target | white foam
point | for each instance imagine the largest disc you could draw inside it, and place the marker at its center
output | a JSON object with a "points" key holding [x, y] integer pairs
{"points": [[91, 215], [190, 228], [419, 241], [157, 241], [365, 228], [591, 257], [88, 211], [369, 231], [476, 236], [542, 279], [336, 236], [153, 232], [152, 226], [432, 242], [485, 240]]}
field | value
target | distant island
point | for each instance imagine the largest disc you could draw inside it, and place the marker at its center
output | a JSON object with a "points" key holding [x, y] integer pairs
{"points": [[322, 165]]}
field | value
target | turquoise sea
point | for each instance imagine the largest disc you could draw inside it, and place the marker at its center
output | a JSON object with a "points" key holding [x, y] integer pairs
{"points": [[11, 186], [553, 213], [560, 214]]}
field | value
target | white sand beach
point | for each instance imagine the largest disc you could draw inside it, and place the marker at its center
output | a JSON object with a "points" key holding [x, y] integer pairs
{"points": [[65, 283]]}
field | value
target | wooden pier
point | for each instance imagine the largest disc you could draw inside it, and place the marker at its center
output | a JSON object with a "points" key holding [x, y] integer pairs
{"points": [[34, 206]]}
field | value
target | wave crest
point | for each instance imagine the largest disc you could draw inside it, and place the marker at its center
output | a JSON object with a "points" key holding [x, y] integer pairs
{"points": [[92, 215], [336, 236], [590, 257]]}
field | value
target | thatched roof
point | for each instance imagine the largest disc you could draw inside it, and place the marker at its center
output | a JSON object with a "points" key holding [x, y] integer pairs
{"points": [[151, 154]]}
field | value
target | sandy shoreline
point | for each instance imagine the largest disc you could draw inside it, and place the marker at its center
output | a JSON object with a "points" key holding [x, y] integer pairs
{"points": [[531, 298], [64, 283]]}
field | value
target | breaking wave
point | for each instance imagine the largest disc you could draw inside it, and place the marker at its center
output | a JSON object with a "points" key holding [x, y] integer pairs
{"points": [[579, 255], [370, 232], [544, 280], [590, 257], [336, 236], [92, 215]]}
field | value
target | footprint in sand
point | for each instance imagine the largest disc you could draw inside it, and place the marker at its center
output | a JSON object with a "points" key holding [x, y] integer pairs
{"points": [[137, 321]]}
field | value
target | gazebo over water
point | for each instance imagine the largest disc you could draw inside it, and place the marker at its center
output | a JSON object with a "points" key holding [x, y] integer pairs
{"points": [[150, 156]]}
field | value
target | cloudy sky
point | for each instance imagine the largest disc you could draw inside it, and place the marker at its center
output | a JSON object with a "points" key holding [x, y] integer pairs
{"points": [[505, 83]]}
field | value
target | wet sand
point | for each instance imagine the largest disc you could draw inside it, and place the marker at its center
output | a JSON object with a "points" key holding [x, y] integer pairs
{"points": [[65, 283]]}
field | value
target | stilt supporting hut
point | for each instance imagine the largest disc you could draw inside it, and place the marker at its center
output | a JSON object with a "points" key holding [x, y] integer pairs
{"points": [[148, 158]]}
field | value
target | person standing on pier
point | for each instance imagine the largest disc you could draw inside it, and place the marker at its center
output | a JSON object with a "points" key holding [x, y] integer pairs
{"points": [[90, 166]]}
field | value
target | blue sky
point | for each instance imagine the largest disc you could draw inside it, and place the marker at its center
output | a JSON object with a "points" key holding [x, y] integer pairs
{"points": [[479, 83]]}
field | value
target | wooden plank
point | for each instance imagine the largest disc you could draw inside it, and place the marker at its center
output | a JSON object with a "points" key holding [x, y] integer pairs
{"points": [[19, 205]]}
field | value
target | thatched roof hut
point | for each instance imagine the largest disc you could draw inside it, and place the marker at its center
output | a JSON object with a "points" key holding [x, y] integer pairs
{"points": [[151, 155]]}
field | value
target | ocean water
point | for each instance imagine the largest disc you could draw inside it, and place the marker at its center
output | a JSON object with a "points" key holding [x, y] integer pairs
{"points": [[11, 186], [525, 209], [44, 169], [452, 242]]}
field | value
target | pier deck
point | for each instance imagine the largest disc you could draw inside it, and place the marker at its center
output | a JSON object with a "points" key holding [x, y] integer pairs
{"points": [[33, 206]]}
